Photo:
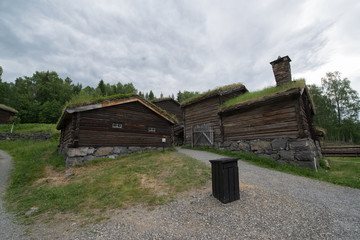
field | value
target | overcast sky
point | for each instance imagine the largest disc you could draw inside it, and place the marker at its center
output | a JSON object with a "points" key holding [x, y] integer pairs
{"points": [[167, 46]]}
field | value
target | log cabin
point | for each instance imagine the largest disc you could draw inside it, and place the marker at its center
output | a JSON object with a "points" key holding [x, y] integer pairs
{"points": [[275, 122], [6, 114], [109, 127], [202, 124], [173, 107]]}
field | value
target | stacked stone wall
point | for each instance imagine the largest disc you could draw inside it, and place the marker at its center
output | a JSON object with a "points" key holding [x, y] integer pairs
{"points": [[80, 155], [42, 136], [301, 152]]}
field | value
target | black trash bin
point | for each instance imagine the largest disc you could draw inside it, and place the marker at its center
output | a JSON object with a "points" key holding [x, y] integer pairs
{"points": [[225, 179]]}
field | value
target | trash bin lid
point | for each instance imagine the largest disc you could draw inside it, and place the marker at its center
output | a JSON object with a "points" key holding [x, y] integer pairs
{"points": [[224, 160]]}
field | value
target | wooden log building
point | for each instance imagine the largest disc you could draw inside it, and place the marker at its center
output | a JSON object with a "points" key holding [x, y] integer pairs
{"points": [[124, 120], [6, 114], [276, 122], [202, 124], [173, 107]]}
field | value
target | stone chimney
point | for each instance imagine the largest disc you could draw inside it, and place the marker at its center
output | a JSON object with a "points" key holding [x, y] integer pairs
{"points": [[282, 70]]}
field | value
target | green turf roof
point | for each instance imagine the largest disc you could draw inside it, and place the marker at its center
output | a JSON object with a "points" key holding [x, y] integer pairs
{"points": [[6, 108], [214, 92], [259, 95]]}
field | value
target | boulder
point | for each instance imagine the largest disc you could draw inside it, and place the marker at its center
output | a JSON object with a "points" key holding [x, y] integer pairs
{"points": [[279, 144], [103, 151], [259, 146]]}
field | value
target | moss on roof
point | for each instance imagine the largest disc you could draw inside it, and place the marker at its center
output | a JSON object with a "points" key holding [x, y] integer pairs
{"points": [[156, 100], [6, 108], [214, 92], [84, 100], [258, 95]]}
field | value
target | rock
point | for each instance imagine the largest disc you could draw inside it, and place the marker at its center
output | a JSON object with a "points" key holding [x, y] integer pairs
{"points": [[260, 146], [79, 152], [302, 145], [286, 155], [279, 144], [134, 149], [88, 158], [244, 146], [103, 151], [69, 173], [71, 161], [234, 146], [305, 155], [227, 144], [327, 164], [120, 150], [31, 211]]}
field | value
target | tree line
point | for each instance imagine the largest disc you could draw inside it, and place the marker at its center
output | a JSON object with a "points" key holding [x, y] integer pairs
{"points": [[42, 97], [337, 108]]}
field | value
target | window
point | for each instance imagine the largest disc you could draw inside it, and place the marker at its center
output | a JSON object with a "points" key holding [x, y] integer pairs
{"points": [[151, 129], [117, 125]]}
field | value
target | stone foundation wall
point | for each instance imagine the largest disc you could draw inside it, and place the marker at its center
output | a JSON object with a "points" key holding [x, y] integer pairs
{"points": [[42, 136], [301, 152], [82, 155]]}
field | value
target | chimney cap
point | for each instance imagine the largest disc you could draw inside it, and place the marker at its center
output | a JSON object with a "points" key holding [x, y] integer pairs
{"points": [[281, 59]]}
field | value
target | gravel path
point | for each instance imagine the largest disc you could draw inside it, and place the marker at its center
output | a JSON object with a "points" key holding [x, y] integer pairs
{"points": [[272, 205], [8, 229]]}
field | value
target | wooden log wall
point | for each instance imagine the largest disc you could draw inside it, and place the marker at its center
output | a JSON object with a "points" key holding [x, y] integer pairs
{"points": [[341, 151], [203, 112], [273, 120], [5, 116], [96, 127], [171, 107], [66, 139]]}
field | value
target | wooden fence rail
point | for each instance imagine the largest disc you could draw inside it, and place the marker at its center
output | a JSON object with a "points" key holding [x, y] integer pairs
{"points": [[341, 151]]}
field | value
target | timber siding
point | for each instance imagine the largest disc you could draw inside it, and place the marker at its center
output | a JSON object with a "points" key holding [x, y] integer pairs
{"points": [[96, 127], [203, 113], [275, 120], [171, 106], [6, 114]]}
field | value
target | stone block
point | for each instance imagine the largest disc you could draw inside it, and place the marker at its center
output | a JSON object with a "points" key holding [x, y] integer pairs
{"points": [[71, 161], [120, 150], [286, 155], [79, 152], [259, 146], [244, 146], [134, 149], [234, 146], [302, 145], [88, 158], [227, 144], [305, 155], [279, 144], [103, 151]]}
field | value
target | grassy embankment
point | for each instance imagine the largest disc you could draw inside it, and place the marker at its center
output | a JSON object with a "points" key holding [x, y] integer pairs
{"points": [[344, 171], [39, 179], [28, 128]]}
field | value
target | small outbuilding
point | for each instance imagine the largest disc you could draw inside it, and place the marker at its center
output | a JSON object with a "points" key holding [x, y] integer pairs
{"points": [[6, 114], [113, 126], [173, 107]]}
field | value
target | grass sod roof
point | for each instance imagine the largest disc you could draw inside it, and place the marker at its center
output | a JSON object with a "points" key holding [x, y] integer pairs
{"points": [[252, 97], [81, 101], [214, 92], [6, 108], [157, 100]]}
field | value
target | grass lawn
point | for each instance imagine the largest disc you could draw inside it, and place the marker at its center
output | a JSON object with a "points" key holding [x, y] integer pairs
{"points": [[344, 171], [28, 128], [40, 179]]}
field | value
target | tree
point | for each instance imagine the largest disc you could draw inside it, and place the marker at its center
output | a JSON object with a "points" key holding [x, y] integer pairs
{"points": [[101, 86], [341, 95], [151, 95], [1, 72], [181, 97]]}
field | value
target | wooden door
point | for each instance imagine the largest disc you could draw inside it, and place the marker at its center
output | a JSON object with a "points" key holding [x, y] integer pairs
{"points": [[202, 135]]}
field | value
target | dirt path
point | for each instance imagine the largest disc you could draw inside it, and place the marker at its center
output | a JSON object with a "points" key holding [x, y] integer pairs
{"points": [[8, 229]]}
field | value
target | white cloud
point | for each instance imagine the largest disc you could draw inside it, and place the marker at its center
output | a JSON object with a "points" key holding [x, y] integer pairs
{"points": [[167, 46]]}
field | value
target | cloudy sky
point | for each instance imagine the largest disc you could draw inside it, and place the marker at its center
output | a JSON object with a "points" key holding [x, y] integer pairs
{"points": [[169, 46]]}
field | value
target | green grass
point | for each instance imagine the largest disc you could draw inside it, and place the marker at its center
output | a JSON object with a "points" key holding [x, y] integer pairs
{"points": [[344, 171], [257, 95], [28, 128], [210, 93], [152, 178]]}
